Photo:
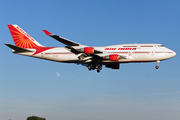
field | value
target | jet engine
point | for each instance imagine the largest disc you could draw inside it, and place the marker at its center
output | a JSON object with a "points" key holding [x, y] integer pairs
{"points": [[89, 50], [86, 50], [113, 57]]}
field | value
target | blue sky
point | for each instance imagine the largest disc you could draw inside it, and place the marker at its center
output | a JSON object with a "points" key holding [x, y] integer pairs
{"points": [[30, 86]]}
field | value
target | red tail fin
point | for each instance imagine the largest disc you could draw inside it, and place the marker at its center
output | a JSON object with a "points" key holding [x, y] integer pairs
{"points": [[21, 38]]}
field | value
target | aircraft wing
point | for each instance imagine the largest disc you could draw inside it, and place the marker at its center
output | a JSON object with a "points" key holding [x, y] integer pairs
{"points": [[87, 51], [61, 39], [74, 46]]}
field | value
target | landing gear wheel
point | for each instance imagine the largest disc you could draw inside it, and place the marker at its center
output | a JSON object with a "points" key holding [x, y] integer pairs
{"points": [[99, 66], [157, 67], [94, 66], [89, 67]]}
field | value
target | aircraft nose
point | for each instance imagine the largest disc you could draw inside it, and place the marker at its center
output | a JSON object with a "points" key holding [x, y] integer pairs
{"points": [[174, 53]]}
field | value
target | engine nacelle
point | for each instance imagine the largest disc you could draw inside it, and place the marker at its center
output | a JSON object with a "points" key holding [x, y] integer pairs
{"points": [[88, 50], [114, 57]]}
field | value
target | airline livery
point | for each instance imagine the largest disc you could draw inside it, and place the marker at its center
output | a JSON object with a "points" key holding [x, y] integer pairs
{"points": [[91, 57]]}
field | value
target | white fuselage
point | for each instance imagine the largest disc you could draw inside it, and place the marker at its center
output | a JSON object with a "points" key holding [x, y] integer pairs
{"points": [[133, 53]]}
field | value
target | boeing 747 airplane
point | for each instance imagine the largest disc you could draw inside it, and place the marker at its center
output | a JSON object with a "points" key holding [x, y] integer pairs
{"points": [[91, 57]]}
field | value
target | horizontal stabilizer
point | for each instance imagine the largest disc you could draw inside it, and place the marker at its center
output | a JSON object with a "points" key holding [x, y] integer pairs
{"points": [[17, 49]]}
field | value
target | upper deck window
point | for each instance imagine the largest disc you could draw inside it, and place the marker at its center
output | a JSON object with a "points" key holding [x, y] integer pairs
{"points": [[146, 46], [129, 46]]}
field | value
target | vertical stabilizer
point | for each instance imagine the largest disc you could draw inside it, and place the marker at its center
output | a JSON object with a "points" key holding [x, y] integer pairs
{"points": [[21, 38]]}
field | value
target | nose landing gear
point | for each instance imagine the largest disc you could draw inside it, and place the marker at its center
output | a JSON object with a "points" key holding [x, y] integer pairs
{"points": [[157, 66]]}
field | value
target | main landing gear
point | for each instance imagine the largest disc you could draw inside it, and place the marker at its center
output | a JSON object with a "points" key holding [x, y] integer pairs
{"points": [[95, 66], [157, 66]]}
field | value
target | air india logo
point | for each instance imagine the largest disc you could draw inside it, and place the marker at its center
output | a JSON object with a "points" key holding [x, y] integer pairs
{"points": [[22, 39]]}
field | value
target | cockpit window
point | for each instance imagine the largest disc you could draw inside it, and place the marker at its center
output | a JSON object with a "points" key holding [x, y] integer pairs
{"points": [[161, 45]]}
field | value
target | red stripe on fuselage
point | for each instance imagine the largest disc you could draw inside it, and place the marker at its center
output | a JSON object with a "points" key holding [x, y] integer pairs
{"points": [[41, 49]]}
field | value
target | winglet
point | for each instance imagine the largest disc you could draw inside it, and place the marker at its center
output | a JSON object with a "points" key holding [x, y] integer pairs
{"points": [[47, 32]]}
